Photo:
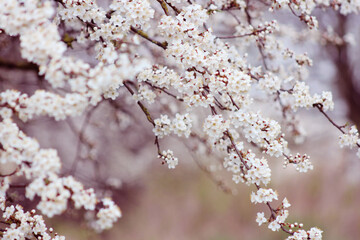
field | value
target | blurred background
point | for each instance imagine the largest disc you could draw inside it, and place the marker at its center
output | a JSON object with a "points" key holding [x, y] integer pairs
{"points": [[111, 148]]}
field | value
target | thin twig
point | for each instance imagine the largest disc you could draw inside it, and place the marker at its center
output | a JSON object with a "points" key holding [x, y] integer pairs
{"points": [[80, 140], [143, 108], [146, 112], [8, 175], [19, 65], [165, 91], [164, 7], [320, 108], [163, 45], [176, 10]]}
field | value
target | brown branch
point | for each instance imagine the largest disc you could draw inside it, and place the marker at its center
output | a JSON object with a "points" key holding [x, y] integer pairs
{"points": [[233, 102], [9, 174], [164, 7], [141, 105], [163, 45], [293, 11], [19, 65], [176, 10], [146, 112], [18, 185], [256, 31], [235, 36], [157, 143], [340, 128], [165, 91], [320, 108]]}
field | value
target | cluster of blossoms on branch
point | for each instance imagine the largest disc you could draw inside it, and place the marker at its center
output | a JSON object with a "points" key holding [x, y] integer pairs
{"points": [[210, 79], [25, 225]]}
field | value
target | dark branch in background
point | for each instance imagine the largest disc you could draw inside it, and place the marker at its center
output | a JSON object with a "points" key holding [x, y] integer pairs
{"points": [[346, 78], [19, 66], [18, 185]]}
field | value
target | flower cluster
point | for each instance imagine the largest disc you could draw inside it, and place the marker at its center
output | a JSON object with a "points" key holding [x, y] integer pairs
{"points": [[263, 196], [55, 192], [23, 16], [106, 216], [302, 162], [52, 105], [41, 166], [248, 169], [215, 126], [301, 98], [263, 131], [313, 234], [350, 139], [136, 13], [144, 93], [160, 76], [180, 125], [169, 158], [24, 225], [270, 83]]}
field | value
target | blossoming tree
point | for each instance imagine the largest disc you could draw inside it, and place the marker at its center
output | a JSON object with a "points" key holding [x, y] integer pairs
{"points": [[201, 62]]}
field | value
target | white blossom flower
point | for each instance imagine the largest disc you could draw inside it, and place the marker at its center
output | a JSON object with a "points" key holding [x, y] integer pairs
{"points": [[263, 196], [350, 139], [274, 226], [260, 219], [169, 158]]}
